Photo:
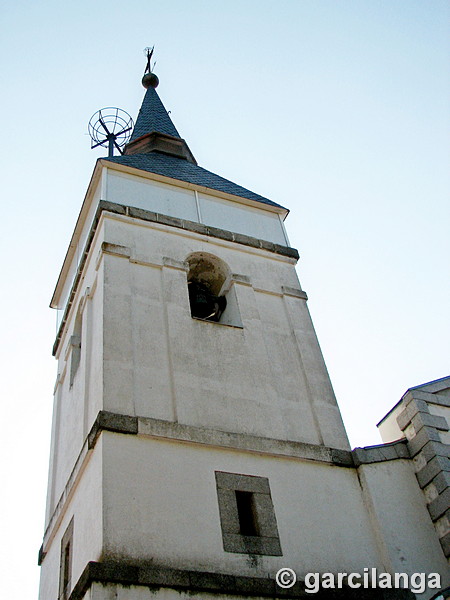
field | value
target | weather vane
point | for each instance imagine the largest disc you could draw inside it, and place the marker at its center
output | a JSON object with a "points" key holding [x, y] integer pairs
{"points": [[149, 79], [149, 53], [110, 127]]}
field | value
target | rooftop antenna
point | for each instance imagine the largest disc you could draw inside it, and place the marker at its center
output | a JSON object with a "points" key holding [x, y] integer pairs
{"points": [[110, 127]]}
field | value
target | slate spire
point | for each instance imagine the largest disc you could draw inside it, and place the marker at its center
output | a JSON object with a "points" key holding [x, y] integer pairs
{"points": [[156, 147], [153, 117], [154, 130]]}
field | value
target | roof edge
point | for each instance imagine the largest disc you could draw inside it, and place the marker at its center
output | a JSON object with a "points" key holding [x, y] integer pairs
{"points": [[433, 383]]}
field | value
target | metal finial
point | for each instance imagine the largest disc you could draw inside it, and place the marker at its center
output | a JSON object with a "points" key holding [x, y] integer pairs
{"points": [[149, 79]]}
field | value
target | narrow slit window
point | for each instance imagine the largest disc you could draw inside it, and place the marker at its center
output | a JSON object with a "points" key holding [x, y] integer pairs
{"points": [[65, 573], [75, 342], [248, 519]]}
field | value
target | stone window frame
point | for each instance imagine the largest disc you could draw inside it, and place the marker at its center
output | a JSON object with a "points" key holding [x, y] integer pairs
{"points": [[268, 540]]}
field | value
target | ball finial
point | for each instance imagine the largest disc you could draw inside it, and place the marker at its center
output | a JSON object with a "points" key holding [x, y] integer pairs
{"points": [[150, 80]]}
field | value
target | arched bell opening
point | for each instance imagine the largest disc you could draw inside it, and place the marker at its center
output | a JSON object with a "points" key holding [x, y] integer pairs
{"points": [[206, 277]]}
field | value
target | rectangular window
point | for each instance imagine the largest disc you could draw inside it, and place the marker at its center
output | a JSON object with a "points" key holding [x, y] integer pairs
{"points": [[65, 568], [247, 516]]}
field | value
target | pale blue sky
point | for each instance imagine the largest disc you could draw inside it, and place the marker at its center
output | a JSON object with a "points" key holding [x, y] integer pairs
{"points": [[336, 110]]}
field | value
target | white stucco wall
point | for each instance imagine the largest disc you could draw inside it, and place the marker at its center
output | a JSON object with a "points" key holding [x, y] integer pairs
{"points": [[177, 201], [398, 509], [161, 505], [151, 195], [118, 592], [76, 406], [265, 378], [388, 427], [240, 218], [85, 506], [254, 379]]}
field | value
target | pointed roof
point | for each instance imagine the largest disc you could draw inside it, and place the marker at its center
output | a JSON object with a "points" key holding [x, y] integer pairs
{"points": [[156, 146], [153, 117]]}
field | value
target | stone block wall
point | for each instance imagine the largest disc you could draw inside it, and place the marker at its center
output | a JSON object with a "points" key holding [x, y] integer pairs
{"points": [[425, 421]]}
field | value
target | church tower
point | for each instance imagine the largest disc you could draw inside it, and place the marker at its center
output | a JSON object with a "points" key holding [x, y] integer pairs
{"points": [[197, 446]]}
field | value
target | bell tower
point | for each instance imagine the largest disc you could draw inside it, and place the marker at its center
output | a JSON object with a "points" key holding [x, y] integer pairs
{"points": [[197, 445]]}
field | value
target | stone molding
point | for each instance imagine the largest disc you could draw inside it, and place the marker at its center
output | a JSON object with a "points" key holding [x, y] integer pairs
{"points": [[380, 453], [241, 441], [193, 226], [290, 291], [155, 578], [107, 421]]}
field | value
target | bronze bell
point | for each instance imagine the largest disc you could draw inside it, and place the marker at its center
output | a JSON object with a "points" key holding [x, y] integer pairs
{"points": [[204, 304]]}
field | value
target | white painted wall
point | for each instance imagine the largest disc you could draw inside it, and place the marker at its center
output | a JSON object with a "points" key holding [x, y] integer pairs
{"points": [[148, 194], [181, 202], [161, 505], [240, 218], [85, 506], [266, 378], [253, 379], [400, 517], [118, 592], [76, 406], [388, 427]]}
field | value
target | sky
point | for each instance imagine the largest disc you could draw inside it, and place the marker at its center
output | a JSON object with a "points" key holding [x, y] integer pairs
{"points": [[338, 110]]}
